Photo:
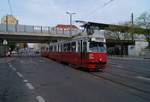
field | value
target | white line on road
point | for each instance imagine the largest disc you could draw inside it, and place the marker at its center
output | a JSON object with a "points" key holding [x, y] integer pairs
{"points": [[143, 78], [25, 81], [10, 65], [40, 99], [19, 74], [117, 66], [41, 61], [30, 86], [13, 68]]}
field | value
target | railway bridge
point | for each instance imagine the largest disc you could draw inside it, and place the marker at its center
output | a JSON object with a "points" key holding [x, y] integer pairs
{"points": [[32, 34]]}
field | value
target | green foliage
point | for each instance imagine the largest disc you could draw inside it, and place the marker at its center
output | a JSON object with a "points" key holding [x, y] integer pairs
{"points": [[144, 21], [147, 39]]}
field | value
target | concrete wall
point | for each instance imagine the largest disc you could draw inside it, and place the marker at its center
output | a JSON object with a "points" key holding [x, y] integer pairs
{"points": [[137, 49]]}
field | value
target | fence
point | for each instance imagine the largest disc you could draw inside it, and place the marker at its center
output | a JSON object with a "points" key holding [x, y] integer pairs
{"points": [[35, 29]]}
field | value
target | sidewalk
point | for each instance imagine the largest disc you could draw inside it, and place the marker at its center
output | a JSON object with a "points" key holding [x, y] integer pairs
{"points": [[128, 57]]}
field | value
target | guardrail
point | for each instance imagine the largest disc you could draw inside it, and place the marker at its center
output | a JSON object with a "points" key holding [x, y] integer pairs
{"points": [[17, 28]]}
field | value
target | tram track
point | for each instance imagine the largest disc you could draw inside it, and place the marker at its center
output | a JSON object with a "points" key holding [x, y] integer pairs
{"points": [[128, 72], [125, 69], [139, 65], [123, 83], [128, 77]]}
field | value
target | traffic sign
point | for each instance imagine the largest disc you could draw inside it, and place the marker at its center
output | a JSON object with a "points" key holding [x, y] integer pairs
{"points": [[5, 42]]}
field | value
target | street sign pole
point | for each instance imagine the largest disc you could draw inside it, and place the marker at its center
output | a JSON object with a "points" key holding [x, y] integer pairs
{"points": [[5, 44]]}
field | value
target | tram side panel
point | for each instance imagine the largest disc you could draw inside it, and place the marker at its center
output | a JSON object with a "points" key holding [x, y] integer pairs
{"points": [[78, 53], [95, 60]]}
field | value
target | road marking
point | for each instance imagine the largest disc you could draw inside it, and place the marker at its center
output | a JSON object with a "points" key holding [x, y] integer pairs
{"points": [[40, 99], [30, 86], [117, 66], [19, 74], [25, 81], [41, 61], [143, 78], [13, 68], [10, 65], [96, 77]]}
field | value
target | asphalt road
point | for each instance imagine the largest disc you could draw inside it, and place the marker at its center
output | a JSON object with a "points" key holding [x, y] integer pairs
{"points": [[36, 79]]}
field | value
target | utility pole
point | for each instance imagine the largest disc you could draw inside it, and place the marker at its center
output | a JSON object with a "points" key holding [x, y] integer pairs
{"points": [[132, 19], [132, 24], [70, 14], [6, 23]]}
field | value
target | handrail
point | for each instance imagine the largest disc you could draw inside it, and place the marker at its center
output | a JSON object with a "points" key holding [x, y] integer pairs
{"points": [[17, 28]]}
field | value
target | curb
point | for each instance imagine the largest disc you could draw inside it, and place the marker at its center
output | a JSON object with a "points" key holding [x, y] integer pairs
{"points": [[127, 58]]}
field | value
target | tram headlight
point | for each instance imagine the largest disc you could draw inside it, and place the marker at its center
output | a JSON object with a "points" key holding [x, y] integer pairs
{"points": [[91, 56]]}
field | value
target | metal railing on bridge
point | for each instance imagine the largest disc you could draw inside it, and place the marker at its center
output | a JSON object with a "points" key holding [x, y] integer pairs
{"points": [[17, 28]]}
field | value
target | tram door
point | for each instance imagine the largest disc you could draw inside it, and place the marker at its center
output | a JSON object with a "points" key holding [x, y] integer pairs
{"points": [[82, 50]]}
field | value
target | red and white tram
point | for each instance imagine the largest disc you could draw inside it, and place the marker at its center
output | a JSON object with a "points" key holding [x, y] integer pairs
{"points": [[87, 51]]}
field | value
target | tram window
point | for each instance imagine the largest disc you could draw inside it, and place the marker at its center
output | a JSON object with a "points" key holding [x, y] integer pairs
{"points": [[97, 47], [73, 46], [62, 48], [55, 48], [58, 48], [46, 48], [68, 47], [84, 46], [51, 48], [65, 47], [79, 46]]}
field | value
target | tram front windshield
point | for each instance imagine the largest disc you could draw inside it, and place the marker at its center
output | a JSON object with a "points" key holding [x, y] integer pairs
{"points": [[97, 47]]}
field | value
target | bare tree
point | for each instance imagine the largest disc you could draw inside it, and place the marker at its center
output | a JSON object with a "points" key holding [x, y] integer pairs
{"points": [[117, 33], [144, 22]]}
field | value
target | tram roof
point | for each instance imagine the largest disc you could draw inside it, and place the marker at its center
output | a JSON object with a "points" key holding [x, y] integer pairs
{"points": [[83, 37], [112, 27]]}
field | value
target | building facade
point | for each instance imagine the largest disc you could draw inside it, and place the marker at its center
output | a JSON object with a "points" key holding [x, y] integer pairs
{"points": [[9, 19]]}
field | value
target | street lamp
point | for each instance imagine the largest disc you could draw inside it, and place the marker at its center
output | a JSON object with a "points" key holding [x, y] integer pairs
{"points": [[70, 14]]}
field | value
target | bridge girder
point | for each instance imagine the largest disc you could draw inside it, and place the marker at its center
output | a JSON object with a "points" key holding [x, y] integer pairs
{"points": [[31, 39]]}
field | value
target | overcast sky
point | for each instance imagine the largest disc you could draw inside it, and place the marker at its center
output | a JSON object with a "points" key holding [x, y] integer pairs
{"points": [[53, 12]]}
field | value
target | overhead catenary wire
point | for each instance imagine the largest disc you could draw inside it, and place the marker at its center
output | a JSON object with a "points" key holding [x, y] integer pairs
{"points": [[96, 9], [105, 4]]}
